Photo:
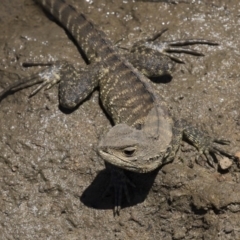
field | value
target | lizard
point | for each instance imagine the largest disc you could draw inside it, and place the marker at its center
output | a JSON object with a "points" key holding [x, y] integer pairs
{"points": [[144, 136]]}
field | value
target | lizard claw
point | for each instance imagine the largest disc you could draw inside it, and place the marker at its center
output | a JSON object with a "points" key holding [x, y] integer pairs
{"points": [[21, 85], [49, 76], [168, 47], [208, 157], [46, 78], [119, 188], [119, 182], [210, 148], [206, 145]]}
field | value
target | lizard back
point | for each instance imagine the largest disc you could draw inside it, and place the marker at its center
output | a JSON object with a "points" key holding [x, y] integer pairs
{"points": [[124, 92]]}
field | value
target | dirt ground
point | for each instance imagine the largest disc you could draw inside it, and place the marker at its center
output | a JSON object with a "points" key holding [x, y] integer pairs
{"points": [[51, 178]]}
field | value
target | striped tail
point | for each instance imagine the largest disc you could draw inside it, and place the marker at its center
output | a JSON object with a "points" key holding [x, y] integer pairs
{"points": [[82, 30]]}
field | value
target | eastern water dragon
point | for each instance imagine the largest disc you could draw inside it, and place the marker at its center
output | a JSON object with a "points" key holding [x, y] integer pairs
{"points": [[144, 135]]}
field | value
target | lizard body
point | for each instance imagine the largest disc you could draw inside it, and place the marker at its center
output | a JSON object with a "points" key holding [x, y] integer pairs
{"points": [[110, 69], [144, 136], [136, 107]]}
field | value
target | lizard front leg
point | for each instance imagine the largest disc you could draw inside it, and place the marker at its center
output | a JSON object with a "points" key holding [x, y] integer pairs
{"points": [[119, 181], [205, 144]]}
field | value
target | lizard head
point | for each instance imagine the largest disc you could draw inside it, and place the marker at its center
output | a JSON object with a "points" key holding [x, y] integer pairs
{"points": [[132, 149]]}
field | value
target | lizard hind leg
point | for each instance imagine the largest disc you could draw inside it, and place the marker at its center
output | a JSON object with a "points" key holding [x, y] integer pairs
{"points": [[155, 58], [77, 85], [150, 62], [37, 78]]}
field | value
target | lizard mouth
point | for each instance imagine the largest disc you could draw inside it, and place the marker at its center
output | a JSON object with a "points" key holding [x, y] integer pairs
{"points": [[128, 164]]}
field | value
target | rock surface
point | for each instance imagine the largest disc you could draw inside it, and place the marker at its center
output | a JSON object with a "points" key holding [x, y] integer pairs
{"points": [[52, 179]]}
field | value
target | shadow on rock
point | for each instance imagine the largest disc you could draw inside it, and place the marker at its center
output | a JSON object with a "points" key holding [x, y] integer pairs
{"points": [[95, 197]]}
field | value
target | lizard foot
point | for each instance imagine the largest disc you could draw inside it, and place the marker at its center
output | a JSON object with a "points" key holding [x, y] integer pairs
{"points": [[168, 47], [208, 146], [21, 85], [46, 78], [119, 182]]}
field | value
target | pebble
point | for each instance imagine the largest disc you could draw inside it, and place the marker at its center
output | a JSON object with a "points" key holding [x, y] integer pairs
{"points": [[225, 163]]}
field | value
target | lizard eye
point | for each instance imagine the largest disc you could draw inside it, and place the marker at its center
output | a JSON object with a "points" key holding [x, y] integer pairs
{"points": [[129, 151]]}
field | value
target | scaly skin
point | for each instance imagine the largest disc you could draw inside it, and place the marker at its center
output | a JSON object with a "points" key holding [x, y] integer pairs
{"points": [[144, 136]]}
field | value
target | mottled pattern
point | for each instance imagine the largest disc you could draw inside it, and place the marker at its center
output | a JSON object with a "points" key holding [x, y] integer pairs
{"points": [[144, 136], [123, 103], [153, 137]]}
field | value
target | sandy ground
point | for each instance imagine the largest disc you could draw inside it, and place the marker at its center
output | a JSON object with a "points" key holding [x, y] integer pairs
{"points": [[51, 178]]}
